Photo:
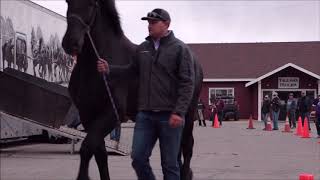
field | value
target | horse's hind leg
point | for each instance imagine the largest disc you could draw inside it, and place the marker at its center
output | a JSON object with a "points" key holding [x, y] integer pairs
{"points": [[187, 150], [85, 156], [101, 157]]}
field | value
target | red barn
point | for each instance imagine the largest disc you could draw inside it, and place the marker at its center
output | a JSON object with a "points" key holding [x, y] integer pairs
{"points": [[248, 71]]}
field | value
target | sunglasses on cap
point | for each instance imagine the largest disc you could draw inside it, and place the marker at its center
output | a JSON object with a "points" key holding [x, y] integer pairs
{"points": [[155, 15]]}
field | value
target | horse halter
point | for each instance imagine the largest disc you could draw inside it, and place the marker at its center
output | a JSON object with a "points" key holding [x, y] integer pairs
{"points": [[92, 16], [87, 28]]}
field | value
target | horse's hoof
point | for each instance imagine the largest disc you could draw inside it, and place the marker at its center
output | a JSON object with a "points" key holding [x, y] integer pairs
{"points": [[190, 175], [83, 178], [187, 175]]}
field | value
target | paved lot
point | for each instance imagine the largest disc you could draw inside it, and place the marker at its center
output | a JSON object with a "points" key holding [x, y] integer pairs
{"points": [[229, 153]]}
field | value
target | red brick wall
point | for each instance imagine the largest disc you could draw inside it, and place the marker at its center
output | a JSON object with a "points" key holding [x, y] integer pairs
{"points": [[242, 94], [254, 105]]}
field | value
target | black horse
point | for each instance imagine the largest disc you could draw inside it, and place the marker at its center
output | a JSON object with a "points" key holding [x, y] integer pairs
{"points": [[87, 88]]}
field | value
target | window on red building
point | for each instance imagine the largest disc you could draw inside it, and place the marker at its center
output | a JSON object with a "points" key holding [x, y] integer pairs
{"points": [[224, 93]]}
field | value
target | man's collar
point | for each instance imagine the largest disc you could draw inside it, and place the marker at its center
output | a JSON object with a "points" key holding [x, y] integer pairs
{"points": [[168, 35]]}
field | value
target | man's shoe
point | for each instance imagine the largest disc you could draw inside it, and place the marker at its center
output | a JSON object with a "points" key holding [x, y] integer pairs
{"points": [[275, 129]]}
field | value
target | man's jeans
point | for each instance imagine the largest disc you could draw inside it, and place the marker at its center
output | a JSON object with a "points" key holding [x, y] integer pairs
{"points": [[275, 119], [292, 118], [148, 128], [265, 119], [116, 133]]}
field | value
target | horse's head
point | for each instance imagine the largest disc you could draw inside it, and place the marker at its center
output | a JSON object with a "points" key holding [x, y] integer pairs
{"points": [[81, 15]]}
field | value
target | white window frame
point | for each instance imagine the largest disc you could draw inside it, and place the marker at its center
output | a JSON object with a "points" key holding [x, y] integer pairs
{"points": [[219, 88]]}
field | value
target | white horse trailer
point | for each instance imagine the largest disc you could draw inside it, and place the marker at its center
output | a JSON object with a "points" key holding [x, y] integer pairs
{"points": [[30, 39]]}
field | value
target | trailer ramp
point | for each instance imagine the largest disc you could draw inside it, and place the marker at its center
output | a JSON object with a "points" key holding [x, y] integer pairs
{"points": [[73, 134]]}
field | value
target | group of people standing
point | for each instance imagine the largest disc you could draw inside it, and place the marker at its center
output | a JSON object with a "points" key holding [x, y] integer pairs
{"points": [[216, 107], [294, 109], [271, 108]]}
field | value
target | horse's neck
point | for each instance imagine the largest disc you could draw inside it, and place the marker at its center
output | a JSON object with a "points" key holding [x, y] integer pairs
{"points": [[105, 41]]}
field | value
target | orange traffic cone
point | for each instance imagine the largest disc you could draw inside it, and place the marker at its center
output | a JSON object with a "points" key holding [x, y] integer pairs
{"points": [[287, 125], [269, 126], [305, 133], [299, 128], [250, 126], [305, 176], [215, 123]]}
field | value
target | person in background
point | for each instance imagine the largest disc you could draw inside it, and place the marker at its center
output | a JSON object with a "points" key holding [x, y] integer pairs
{"points": [[115, 134], [237, 110], [316, 103], [220, 106], [291, 111], [73, 116], [275, 109], [304, 107], [212, 108], [265, 110], [200, 113]]}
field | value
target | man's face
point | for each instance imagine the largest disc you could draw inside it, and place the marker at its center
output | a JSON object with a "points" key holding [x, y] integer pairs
{"points": [[157, 28], [303, 94]]}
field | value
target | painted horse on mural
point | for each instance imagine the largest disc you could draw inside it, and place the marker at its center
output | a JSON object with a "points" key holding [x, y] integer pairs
{"points": [[94, 31], [7, 53]]}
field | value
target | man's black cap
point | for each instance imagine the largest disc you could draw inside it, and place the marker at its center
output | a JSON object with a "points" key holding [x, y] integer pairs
{"points": [[157, 14]]}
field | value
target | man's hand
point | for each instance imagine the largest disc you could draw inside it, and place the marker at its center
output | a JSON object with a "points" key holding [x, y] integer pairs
{"points": [[102, 66], [175, 121], [74, 58]]}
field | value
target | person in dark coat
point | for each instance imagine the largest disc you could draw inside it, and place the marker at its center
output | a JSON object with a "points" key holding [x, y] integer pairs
{"points": [[304, 107], [165, 67], [201, 108], [220, 106], [275, 109], [291, 110], [265, 110], [316, 103]]}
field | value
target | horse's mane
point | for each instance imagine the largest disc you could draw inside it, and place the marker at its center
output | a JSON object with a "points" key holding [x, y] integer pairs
{"points": [[112, 17]]}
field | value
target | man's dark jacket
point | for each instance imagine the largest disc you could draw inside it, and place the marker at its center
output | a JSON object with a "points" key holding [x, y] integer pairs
{"points": [[166, 76]]}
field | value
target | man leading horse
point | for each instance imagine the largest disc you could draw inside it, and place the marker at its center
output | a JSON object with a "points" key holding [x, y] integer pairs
{"points": [[94, 33], [165, 68]]}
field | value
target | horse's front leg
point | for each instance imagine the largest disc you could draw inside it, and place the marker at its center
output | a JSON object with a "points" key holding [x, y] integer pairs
{"points": [[187, 143], [96, 128], [101, 157]]}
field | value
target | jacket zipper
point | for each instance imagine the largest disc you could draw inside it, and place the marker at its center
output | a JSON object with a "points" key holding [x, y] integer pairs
{"points": [[150, 73]]}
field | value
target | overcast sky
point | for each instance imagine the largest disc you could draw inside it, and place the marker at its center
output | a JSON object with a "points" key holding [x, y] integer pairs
{"points": [[221, 21]]}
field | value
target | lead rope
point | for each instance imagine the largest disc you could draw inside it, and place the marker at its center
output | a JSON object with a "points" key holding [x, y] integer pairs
{"points": [[105, 79]]}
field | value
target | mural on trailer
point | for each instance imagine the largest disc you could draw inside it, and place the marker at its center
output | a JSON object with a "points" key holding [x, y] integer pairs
{"points": [[47, 59], [7, 45]]}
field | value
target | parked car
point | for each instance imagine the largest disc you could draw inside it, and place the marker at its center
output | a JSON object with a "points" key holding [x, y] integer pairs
{"points": [[231, 108]]}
